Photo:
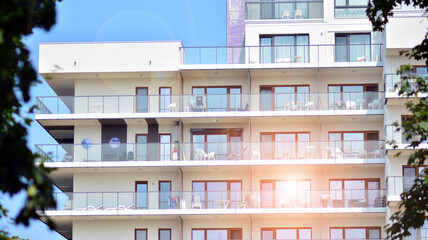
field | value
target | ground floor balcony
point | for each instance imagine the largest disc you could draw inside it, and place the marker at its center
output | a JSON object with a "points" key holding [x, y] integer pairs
{"points": [[220, 202], [214, 153], [213, 105]]}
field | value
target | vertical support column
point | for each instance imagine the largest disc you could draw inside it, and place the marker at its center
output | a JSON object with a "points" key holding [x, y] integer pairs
{"points": [[250, 224], [180, 227], [180, 84], [249, 90]]}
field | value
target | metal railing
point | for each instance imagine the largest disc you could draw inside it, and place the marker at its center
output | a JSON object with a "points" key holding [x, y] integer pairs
{"points": [[286, 55], [311, 101], [302, 9], [333, 151], [123, 201]]}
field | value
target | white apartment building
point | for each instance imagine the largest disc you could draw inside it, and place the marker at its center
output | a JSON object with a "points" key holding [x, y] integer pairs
{"points": [[279, 135]]}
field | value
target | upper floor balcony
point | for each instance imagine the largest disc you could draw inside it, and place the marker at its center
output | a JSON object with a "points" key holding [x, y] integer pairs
{"points": [[270, 10], [213, 153], [397, 137], [212, 105], [392, 84], [219, 202], [291, 55]]}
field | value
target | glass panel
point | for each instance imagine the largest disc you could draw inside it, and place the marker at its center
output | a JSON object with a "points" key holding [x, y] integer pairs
{"points": [[284, 96], [235, 234], [267, 146], [303, 145], [302, 42], [355, 233], [409, 175], [217, 195], [305, 234], [336, 193], [165, 200], [217, 99], [266, 99], [141, 148], [199, 193], [334, 97], [235, 99], [286, 234], [141, 196], [342, 49], [373, 192], [165, 99], [141, 234], [142, 100], [217, 146], [198, 235], [303, 94], [354, 193], [165, 141], [235, 194], [336, 233], [216, 234], [267, 235], [266, 10], [284, 49], [236, 149], [165, 234], [424, 230], [267, 195], [359, 47], [353, 144], [198, 147], [266, 49], [285, 145], [374, 233]]}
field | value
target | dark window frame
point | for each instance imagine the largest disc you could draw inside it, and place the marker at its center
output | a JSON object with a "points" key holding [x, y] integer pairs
{"points": [[273, 46]]}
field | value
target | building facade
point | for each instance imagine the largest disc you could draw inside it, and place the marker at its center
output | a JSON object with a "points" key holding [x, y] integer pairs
{"points": [[280, 135]]}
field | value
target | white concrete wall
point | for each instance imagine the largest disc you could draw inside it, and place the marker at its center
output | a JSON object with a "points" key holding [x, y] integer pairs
{"points": [[109, 57]]}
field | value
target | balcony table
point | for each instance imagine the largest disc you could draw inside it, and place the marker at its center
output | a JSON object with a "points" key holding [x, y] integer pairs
{"points": [[361, 101]]}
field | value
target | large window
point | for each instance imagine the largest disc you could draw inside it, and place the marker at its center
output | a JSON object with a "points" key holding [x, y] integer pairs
{"points": [[217, 194], [280, 98], [141, 148], [285, 9], [285, 145], [286, 233], [353, 47], [165, 147], [140, 234], [355, 192], [165, 98], [285, 193], [164, 234], [141, 188], [409, 175], [350, 8], [216, 99], [353, 144], [419, 234], [165, 201], [142, 100], [212, 144], [217, 234], [351, 97], [284, 48], [355, 233]]}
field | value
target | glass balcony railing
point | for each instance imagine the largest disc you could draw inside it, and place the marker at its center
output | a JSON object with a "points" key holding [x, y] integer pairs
{"points": [[300, 9], [396, 185], [398, 137], [392, 80], [286, 55], [123, 201], [333, 151], [286, 102], [350, 11]]}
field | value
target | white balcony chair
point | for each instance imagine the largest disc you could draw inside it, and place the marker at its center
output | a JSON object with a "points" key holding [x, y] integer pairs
{"points": [[200, 154], [310, 105], [256, 155], [375, 104], [298, 13], [285, 14], [361, 59], [172, 107], [211, 156], [197, 203], [350, 105]]}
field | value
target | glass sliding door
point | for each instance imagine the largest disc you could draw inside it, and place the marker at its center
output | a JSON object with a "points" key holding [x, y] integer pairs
{"points": [[141, 148], [165, 201], [165, 98], [284, 49], [142, 100], [266, 49], [353, 47], [141, 189], [266, 99], [165, 147]]}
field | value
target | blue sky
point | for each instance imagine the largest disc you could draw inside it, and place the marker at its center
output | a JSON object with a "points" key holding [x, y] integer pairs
{"points": [[194, 22]]}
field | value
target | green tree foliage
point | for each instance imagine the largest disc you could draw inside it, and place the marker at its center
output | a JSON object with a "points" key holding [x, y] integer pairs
{"points": [[414, 202], [5, 236], [17, 169]]}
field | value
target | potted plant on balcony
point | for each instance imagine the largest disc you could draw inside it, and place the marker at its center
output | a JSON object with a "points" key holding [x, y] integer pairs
{"points": [[175, 150]]}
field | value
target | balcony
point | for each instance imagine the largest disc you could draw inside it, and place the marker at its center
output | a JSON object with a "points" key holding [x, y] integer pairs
{"points": [[271, 10], [396, 185], [392, 80], [283, 56], [398, 138], [213, 105], [214, 153], [220, 202]]}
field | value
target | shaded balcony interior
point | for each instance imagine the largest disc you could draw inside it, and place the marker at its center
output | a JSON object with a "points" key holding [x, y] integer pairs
{"points": [[265, 10]]}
